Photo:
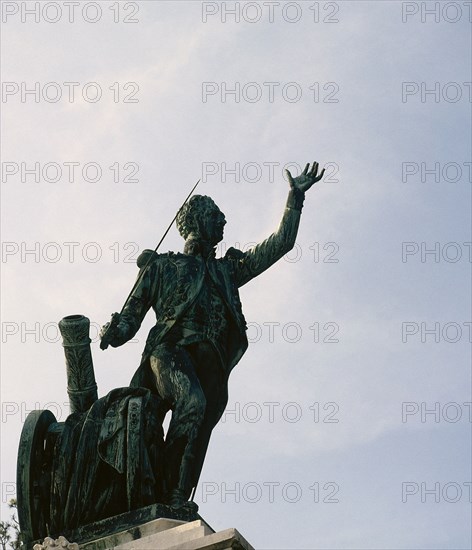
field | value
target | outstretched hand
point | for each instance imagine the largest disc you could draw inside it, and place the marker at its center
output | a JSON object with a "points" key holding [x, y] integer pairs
{"points": [[306, 179]]}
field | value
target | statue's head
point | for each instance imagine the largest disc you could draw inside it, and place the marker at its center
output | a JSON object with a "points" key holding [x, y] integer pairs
{"points": [[201, 219]]}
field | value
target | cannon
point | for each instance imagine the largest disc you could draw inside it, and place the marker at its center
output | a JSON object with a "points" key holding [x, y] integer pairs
{"points": [[41, 431], [104, 461]]}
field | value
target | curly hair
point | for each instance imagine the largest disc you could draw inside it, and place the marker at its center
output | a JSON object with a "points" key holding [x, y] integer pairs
{"points": [[192, 211]]}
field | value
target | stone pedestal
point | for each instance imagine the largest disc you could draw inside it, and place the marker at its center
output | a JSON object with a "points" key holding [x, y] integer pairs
{"points": [[171, 534], [124, 533]]}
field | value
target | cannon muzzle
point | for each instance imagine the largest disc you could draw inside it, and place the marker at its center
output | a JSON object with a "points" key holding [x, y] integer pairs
{"points": [[81, 385]]}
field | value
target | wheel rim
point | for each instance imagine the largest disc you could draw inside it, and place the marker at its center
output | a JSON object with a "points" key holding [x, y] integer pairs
{"points": [[32, 498]]}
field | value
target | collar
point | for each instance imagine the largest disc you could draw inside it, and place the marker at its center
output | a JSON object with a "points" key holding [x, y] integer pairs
{"points": [[198, 247]]}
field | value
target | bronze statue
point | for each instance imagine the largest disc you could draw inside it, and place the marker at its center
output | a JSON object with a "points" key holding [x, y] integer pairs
{"points": [[199, 334], [109, 466]]}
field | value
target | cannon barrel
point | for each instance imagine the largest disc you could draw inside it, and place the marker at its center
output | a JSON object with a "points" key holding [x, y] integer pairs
{"points": [[81, 384]]}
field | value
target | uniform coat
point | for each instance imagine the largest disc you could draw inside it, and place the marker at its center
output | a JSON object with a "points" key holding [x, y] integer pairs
{"points": [[171, 283]]}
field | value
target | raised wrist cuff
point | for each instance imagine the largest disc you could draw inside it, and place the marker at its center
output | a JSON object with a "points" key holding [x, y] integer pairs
{"points": [[295, 199]]}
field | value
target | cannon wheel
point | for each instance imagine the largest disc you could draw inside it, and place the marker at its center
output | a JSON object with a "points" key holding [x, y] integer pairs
{"points": [[32, 469]]}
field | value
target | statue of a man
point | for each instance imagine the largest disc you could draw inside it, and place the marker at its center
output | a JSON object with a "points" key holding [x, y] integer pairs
{"points": [[200, 331]]}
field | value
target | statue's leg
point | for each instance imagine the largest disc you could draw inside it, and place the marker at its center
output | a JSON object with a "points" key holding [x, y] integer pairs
{"points": [[210, 375], [177, 383]]}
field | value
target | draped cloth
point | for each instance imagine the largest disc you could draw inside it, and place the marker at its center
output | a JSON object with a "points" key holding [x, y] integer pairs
{"points": [[107, 460]]}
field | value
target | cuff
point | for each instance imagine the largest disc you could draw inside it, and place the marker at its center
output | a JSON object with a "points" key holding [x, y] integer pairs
{"points": [[295, 199]]}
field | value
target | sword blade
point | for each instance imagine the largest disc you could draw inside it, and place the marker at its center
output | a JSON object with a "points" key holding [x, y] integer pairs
{"points": [[140, 276]]}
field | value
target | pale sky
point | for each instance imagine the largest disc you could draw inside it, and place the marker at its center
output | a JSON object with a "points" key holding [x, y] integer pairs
{"points": [[349, 420]]}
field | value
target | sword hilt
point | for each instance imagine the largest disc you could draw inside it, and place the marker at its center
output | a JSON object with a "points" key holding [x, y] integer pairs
{"points": [[109, 333]]}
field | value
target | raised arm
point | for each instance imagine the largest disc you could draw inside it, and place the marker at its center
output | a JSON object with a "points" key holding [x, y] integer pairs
{"points": [[265, 254]]}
